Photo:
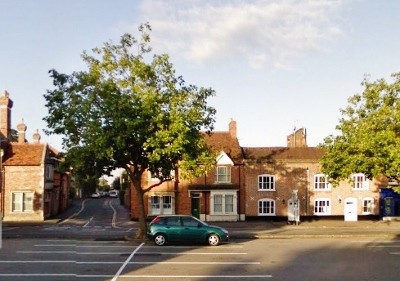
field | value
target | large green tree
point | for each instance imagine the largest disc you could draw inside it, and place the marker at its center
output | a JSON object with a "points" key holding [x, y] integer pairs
{"points": [[369, 134], [129, 110]]}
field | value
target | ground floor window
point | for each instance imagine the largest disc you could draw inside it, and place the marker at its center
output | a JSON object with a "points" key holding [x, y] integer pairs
{"points": [[223, 202], [22, 201], [266, 207], [161, 204], [368, 206], [322, 207]]}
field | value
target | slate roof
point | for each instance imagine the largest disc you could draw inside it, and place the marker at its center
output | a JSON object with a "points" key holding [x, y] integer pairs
{"points": [[224, 141], [282, 153], [25, 154]]}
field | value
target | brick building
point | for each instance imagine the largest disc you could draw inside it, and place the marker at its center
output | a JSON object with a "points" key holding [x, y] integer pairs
{"points": [[218, 196], [250, 182], [273, 174], [32, 188]]}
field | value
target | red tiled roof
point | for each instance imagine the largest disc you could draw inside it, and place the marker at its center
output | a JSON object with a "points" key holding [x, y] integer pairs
{"points": [[224, 141], [282, 153], [24, 154]]}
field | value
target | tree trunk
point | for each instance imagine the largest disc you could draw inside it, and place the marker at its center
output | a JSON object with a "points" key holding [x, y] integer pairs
{"points": [[142, 231]]}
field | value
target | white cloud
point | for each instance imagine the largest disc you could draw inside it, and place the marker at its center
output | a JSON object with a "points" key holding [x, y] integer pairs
{"points": [[262, 33]]}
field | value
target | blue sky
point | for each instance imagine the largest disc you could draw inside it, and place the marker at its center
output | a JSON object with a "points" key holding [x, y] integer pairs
{"points": [[273, 64]]}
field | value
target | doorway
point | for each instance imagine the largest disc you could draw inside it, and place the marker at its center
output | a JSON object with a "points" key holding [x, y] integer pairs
{"points": [[350, 209], [195, 207]]}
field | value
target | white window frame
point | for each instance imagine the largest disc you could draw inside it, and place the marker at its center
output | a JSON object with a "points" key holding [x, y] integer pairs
{"points": [[226, 206], [161, 204], [368, 206], [270, 207], [22, 202], [322, 207], [223, 174], [321, 183], [360, 182], [266, 182]]}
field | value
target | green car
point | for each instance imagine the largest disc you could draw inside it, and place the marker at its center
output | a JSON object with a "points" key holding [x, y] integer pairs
{"points": [[185, 229]]}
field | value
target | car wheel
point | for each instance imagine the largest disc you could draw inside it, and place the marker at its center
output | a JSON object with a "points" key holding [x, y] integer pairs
{"points": [[213, 240], [160, 240]]}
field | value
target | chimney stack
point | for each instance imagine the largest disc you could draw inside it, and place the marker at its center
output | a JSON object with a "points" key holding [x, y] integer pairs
{"points": [[21, 127], [36, 137], [233, 129], [298, 138], [5, 115]]}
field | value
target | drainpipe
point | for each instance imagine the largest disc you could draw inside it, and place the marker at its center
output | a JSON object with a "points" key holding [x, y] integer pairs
{"points": [[308, 193], [240, 185], [2, 187]]}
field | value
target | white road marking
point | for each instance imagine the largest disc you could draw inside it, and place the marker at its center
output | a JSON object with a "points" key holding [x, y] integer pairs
{"points": [[41, 261], [126, 262], [384, 246], [77, 213], [210, 277], [131, 262], [123, 253], [130, 276], [88, 222], [114, 219], [46, 252], [37, 274]]}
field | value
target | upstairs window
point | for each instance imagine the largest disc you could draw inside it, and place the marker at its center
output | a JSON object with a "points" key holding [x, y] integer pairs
{"points": [[49, 172], [360, 182], [321, 182], [223, 174], [266, 182]]}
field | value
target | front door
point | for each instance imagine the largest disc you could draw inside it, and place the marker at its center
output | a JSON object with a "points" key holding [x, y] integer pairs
{"points": [[196, 207], [350, 209]]}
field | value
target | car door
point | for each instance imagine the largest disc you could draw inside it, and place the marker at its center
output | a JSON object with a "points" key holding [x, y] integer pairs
{"points": [[173, 229], [193, 230]]}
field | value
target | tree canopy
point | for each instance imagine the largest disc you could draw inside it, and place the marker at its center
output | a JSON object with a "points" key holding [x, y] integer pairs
{"points": [[130, 110], [369, 138]]}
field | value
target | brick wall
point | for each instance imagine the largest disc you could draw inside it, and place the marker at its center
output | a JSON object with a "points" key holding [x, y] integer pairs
{"points": [[298, 175], [25, 179]]}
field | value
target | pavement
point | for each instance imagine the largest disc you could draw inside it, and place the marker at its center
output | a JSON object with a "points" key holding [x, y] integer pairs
{"points": [[268, 228]]}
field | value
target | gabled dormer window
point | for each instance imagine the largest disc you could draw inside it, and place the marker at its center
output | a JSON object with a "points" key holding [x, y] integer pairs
{"points": [[223, 169], [223, 174], [360, 182]]}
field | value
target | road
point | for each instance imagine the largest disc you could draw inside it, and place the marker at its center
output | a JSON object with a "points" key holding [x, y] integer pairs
{"points": [[274, 259], [103, 217], [71, 250]]}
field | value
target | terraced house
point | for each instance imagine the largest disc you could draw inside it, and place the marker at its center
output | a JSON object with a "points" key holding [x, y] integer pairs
{"points": [[275, 176], [269, 183], [218, 196]]}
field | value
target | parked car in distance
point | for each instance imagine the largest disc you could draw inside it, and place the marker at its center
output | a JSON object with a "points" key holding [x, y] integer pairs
{"points": [[95, 195], [184, 229], [103, 193], [113, 193]]}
